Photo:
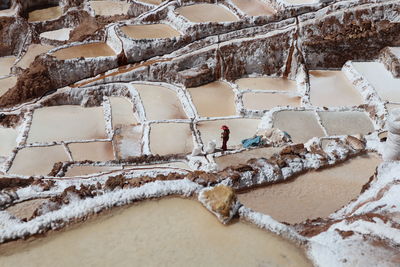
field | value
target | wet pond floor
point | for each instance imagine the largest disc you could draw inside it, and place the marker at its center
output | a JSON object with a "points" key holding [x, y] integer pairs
{"points": [[207, 13]]}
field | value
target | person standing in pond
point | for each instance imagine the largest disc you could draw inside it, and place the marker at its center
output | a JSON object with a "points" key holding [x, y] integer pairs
{"points": [[225, 137]]}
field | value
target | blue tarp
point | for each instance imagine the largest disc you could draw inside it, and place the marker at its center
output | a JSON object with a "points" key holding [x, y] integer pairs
{"points": [[255, 141]]}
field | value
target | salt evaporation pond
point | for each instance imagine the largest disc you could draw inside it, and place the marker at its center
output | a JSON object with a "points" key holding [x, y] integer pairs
{"points": [[314, 194], [122, 111], [300, 2], [266, 101], [332, 89], [254, 7], [33, 51], [346, 122], [8, 137], [7, 83], [150, 31], [45, 14], [96, 151], [215, 99], [67, 123], [207, 13], [168, 232], [160, 103], [300, 125], [89, 169], [6, 64], [58, 35], [266, 83], [91, 50], [110, 8], [170, 138]]}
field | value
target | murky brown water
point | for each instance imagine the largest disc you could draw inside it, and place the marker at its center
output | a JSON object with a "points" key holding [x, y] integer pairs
{"points": [[266, 101], [8, 137], [86, 51], [37, 160], [346, 122], [33, 51], [171, 138], [332, 89], [96, 151], [5, 65], [89, 169], [160, 103], [266, 83], [254, 7], [169, 232], [67, 123], [215, 99], [122, 111], [45, 14], [300, 125], [240, 129], [243, 157], [381, 79], [150, 31], [109, 8], [314, 194], [206, 13], [25, 210], [59, 35], [7, 83]]}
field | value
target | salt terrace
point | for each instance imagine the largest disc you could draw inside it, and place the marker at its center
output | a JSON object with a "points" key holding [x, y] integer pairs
{"points": [[109, 107]]}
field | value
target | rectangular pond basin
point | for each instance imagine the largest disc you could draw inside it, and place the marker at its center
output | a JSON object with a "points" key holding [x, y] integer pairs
{"points": [[33, 51], [122, 111], [332, 89], [110, 8], [387, 87], [95, 151], [81, 170], [239, 129], [300, 125], [8, 137], [7, 83], [128, 141], [37, 160], [150, 31], [207, 13], [45, 14], [67, 123], [171, 138], [267, 101], [6, 64], [346, 122], [86, 50], [314, 194], [58, 35], [242, 157], [254, 7], [267, 83], [160, 103], [173, 165], [215, 99], [166, 232]]}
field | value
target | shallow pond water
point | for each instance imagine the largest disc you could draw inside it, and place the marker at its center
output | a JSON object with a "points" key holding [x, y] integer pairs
{"points": [[346, 122], [110, 8], [150, 31], [45, 14], [171, 138], [91, 50], [254, 7], [96, 151], [266, 83], [6, 64], [266, 101], [207, 13]]}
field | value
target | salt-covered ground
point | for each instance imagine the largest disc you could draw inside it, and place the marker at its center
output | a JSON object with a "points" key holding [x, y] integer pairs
{"points": [[127, 104]]}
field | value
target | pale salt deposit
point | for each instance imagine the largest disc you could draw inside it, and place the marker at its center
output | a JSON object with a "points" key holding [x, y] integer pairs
{"points": [[96, 151], [153, 2], [346, 122], [266, 83], [58, 35], [8, 137], [6, 64], [332, 89], [33, 51], [110, 8], [37, 160], [45, 14], [150, 31], [266, 101], [160, 103], [122, 111], [91, 50], [207, 13], [254, 7], [177, 231], [222, 102], [300, 125], [6, 84], [63, 123], [128, 141], [171, 138], [314, 194], [89, 169]]}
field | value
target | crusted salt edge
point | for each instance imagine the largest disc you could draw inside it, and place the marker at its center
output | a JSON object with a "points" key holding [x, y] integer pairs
{"points": [[78, 209], [267, 222]]}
